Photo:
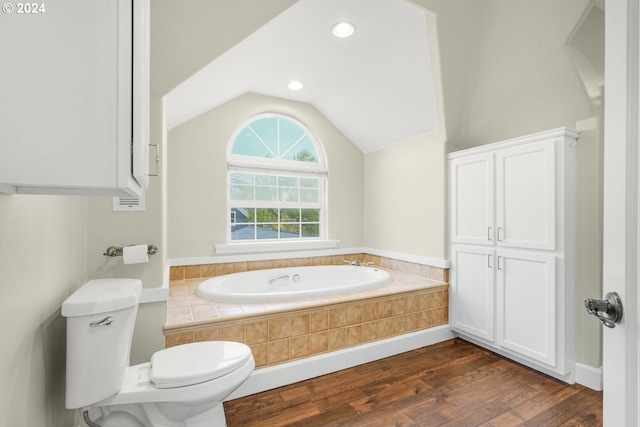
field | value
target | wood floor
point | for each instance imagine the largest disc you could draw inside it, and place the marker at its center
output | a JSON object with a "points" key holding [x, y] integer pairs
{"points": [[453, 383]]}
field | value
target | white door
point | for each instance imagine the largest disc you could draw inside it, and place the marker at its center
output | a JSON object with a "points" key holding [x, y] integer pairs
{"points": [[621, 214], [525, 196], [526, 304], [472, 290], [472, 199]]}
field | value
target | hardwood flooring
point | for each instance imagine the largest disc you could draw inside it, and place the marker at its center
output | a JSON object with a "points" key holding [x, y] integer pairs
{"points": [[453, 383]]}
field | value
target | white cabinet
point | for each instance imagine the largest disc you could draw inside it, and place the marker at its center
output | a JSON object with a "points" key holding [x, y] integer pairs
{"points": [[512, 223], [505, 197], [74, 100]]}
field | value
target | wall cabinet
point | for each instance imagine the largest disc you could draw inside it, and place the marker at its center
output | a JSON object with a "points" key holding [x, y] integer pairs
{"points": [[74, 105], [512, 219]]}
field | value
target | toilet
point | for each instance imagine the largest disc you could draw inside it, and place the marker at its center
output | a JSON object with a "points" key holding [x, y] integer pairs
{"points": [[182, 386]]}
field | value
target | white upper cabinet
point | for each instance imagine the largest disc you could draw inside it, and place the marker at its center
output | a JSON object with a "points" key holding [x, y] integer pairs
{"points": [[504, 194], [74, 103]]}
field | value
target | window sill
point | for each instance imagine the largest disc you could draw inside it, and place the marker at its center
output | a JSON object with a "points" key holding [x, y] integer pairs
{"points": [[254, 247]]}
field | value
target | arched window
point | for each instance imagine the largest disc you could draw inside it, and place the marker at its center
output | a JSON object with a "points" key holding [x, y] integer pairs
{"points": [[276, 181]]}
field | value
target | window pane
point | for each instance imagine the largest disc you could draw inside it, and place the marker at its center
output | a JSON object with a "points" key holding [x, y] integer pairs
{"points": [[265, 180], [290, 133], [266, 193], [309, 182], [289, 231], [241, 192], [241, 178], [243, 232], [267, 231], [290, 215], [310, 215], [309, 195], [288, 194], [310, 230], [266, 215], [248, 144], [303, 151], [267, 131], [287, 181]]}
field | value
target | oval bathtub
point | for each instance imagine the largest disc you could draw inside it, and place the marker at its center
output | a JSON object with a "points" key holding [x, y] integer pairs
{"points": [[292, 283]]}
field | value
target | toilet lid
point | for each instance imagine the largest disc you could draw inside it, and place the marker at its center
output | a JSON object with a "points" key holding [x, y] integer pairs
{"points": [[195, 363]]}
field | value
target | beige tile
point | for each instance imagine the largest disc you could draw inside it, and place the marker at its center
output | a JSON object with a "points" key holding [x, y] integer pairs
{"points": [[177, 316], [240, 267], [178, 338], [369, 311], [337, 338], [369, 331], [192, 272], [300, 346], [337, 317], [413, 321], [279, 328], [413, 303], [399, 306], [385, 309], [385, 328], [260, 354], [426, 301], [257, 332], [425, 319], [235, 332], [319, 321], [354, 314], [208, 334], [299, 324], [208, 270], [278, 351], [425, 271], [437, 273], [354, 335], [319, 342], [176, 273], [223, 269], [399, 325]]}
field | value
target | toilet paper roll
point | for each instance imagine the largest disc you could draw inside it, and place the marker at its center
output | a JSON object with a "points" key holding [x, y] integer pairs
{"points": [[135, 254]]}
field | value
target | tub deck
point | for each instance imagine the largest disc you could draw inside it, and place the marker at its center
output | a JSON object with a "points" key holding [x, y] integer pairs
{"points": [[279, 332], [185, 309]]}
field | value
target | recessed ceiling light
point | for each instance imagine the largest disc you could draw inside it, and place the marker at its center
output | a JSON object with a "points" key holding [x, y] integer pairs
{"points": [[343, 29], [295, 85]]}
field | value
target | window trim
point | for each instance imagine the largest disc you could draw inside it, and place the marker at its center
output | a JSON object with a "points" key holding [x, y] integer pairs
{"points": [[278, 167]]}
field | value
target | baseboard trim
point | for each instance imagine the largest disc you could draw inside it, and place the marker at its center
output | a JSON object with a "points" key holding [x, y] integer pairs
{"points": [[303, 369], [589, 376]]}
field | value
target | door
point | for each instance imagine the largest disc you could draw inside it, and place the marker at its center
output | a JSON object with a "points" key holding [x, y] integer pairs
{"points": [[525, 196], [526, 304], [472, 291], [621, 216], [472, 199]]}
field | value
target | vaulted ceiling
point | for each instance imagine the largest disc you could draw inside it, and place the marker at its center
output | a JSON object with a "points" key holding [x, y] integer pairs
{"points": [[376, 86]]}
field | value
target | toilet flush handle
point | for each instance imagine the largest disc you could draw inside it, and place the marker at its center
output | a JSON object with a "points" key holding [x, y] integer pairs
{"points": [[104, 322]]}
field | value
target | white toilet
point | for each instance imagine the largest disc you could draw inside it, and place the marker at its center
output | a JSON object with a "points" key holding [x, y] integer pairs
{"points": [[182, 386]]}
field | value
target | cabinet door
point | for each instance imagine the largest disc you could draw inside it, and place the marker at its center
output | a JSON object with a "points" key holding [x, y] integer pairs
{"points": [[526, 304], [472, 199], [525, 185], [472, 291]]}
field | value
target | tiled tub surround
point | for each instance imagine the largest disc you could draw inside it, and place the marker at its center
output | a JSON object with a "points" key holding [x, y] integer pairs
{"points": [[280, 332]]}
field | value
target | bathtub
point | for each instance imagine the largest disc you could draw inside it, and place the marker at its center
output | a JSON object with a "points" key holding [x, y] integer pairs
{"points": [[292, 283]]}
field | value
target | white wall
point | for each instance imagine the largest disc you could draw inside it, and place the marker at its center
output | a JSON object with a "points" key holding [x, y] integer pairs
{"points": [[197, 189], [406, 196], [42, 261]]}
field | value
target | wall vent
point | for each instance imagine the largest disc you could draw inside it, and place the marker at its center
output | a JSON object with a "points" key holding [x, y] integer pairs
{"points": [[128, 204]]}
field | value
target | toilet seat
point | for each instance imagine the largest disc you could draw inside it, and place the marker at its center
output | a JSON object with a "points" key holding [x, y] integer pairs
{"points": [[196, 363]]}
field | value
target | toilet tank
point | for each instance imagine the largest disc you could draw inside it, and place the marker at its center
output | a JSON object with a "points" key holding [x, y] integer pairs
{"points": [[101, 316]]}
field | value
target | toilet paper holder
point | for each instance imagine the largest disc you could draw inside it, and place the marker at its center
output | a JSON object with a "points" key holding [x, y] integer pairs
{"points": [[114, 251]]}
